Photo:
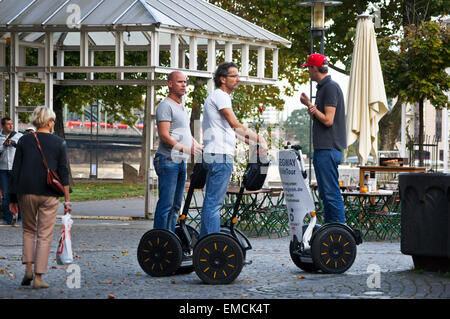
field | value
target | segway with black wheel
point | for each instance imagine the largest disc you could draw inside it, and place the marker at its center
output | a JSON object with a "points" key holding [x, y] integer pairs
{"points": [[331, 247], [218, 258], [162, 252]]}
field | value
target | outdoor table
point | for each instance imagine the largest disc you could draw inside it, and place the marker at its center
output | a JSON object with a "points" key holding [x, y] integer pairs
{"points": [[387, 169], [375, 214], [260, 212]]}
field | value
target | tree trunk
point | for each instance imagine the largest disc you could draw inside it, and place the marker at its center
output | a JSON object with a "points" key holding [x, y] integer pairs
{"points": [[390, 126]]}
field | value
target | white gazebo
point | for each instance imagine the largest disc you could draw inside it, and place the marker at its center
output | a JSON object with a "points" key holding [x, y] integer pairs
{"points": [[181, 27]]}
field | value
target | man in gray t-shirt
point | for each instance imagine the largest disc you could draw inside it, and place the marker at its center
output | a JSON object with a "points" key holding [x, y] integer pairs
{"points": [[176, 144], [329, 137]]}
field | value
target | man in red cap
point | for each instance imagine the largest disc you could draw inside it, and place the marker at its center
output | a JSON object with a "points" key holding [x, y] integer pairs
{"points": [[329, 136]]}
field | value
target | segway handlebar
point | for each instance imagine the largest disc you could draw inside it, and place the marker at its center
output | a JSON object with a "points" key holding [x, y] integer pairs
{"points": [[294, 147], [298, 150]]}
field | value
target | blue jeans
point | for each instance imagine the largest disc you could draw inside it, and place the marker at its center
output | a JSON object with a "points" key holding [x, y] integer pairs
{"points": [[326, 168], [5, 176], [219, 167], [171, 181]]}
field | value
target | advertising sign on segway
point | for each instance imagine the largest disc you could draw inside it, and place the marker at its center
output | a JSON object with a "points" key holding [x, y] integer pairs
{"points": [[331, 247], [296, 191]]}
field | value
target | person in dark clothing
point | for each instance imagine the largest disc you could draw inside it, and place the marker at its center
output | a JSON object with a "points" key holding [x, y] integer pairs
{"points": [[37, 201], [329, 136], [8, 142]]}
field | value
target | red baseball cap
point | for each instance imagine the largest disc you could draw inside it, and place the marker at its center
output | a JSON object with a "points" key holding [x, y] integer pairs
{"points": [[315, 60]]}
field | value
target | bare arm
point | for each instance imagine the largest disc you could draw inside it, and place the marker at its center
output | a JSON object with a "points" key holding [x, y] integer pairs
{"points": [[243, 133], [166, 138], [164, 135], [326, 118]]}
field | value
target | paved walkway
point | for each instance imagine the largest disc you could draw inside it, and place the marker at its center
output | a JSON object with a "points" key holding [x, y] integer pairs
{"points": [[133, 208], [105, 251]]}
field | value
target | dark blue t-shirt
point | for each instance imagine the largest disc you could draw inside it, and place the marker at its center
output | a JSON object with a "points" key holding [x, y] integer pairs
{"points": [[334, 137]]}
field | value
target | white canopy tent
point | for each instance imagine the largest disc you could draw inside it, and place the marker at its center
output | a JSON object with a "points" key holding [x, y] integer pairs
{"points": [[183, 27]]}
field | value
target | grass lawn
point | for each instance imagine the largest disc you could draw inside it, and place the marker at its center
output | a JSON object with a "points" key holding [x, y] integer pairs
{"points": [[98, 191]]}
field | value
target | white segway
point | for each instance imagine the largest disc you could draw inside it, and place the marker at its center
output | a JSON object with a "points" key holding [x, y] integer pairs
{"points": [[331, 247]]}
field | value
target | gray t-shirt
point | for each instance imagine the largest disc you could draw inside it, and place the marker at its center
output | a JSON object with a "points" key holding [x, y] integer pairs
{"points": [[169, 111], [334, 137]]}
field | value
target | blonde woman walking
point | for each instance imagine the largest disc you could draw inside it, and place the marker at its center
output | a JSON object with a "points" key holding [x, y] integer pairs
{"points": [[37, 201]]}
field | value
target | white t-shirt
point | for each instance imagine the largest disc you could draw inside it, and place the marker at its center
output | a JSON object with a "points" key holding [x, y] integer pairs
{"points": [[218, 136]]}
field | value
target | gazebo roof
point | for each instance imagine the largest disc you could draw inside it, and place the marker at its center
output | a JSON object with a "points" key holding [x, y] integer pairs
{"points": [[197, 16]]}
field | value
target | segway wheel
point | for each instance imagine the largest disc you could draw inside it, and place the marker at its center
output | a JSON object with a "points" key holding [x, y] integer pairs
{"points": [[333, 250], [293, 249], [218, 259], [159, 253], [186, 266]]}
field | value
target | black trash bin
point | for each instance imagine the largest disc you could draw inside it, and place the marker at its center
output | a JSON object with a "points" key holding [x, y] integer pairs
{"points": [[425, 219]]}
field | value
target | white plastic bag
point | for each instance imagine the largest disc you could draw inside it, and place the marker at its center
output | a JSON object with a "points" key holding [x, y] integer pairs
{"points": [[64, 254]]}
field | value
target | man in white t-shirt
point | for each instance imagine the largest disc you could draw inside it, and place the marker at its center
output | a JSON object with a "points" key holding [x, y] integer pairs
{"points": [[220, 129]]}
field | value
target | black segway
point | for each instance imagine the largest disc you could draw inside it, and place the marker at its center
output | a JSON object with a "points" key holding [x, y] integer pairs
{"points": [[218, 258], [162, 252], [331, 247]]}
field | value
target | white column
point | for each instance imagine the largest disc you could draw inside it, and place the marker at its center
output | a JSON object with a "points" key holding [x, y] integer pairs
{"points": [[91, 63], [174, 51], [211, 62], [41, 61], [150, 121], [13, 79], [60, 62], [182, 57], [261, 61], [149, 136], [120, 53], [193, 53], [48, 74], [22, 59], [275, 64], [154, 56], [245, 58], [84, 49], [228, 51]]}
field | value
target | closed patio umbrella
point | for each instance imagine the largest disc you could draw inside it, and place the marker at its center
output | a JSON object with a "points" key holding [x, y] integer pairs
{"points": [[366, 96]]}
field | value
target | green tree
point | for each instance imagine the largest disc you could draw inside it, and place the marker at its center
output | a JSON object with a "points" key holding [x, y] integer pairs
{"points": [[288, 20], [296, 128], [415, 68], [396, 16]]}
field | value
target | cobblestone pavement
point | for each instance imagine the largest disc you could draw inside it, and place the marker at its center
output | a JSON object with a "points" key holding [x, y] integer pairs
{"points": [[105, 251]]}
